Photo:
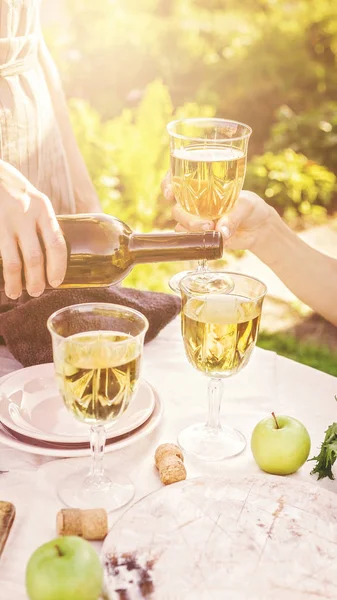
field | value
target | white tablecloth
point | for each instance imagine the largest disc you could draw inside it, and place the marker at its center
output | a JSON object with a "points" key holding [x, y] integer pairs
{"points": [[268, 383]]}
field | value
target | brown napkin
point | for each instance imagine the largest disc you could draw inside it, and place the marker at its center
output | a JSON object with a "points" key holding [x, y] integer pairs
{"points": [[24, 331]]}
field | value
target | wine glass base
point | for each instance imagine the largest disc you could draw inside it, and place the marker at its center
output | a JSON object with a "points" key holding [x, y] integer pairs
{"points": [[205, 444], [79, 490], [204, 281], [174, 282]]}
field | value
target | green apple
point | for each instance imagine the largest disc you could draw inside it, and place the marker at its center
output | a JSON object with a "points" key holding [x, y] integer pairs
{"points": [[67, 568], [280, 445]]}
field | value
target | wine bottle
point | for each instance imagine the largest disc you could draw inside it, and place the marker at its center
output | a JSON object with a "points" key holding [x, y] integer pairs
{"points": [[102, 250]]}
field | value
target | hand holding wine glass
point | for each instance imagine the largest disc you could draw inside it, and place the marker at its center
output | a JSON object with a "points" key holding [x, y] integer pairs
{"points": [[208, 165], [241, 228]]}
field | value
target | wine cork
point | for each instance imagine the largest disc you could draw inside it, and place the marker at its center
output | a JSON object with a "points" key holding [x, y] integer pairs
{"points": [[91, 524], [69, 522], [94, 524], [171, 470], [169, 462], [167, 449]]}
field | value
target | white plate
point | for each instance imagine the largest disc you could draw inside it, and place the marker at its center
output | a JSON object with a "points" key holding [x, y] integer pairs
{"points": [[28, 445], [31, 405]]}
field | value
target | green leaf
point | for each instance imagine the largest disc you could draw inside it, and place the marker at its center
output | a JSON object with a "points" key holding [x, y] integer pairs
{"points": [[328, 454]]}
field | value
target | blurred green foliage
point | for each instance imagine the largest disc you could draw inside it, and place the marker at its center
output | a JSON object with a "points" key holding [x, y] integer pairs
{"points": [[295, 185], [127, 157], [312, 133], [313, 355], [246, 59], [130, 66]]}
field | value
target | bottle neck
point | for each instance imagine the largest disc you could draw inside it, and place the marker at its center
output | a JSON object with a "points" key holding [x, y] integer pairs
{"points": [[165, 247]]}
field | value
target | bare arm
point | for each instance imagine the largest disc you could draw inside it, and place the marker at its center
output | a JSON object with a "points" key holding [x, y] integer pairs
{"points": [[254, 225], [309, 274], [85, 195]]}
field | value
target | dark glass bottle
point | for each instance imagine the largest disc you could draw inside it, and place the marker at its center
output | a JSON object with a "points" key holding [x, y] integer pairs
{"points": [[102, 250]]}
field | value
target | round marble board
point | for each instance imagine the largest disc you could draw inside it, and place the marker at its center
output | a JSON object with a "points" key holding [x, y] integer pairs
{"points": [[260, 538]]}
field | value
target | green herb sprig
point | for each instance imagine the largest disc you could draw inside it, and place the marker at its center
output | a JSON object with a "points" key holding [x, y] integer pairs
{"points": [[328, 454]]}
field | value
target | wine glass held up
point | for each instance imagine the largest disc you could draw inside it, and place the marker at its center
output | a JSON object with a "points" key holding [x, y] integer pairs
{"points": [[97, 351], [208, 166], [219, 333]]}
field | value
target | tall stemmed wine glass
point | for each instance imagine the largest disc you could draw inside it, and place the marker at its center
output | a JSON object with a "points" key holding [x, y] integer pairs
{"points": [[208, 166], [97, 351], [219, 332]]}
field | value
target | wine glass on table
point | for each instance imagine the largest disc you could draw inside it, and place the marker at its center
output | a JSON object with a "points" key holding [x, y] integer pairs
{"points": [[219, 333], [208, 166], [97, 350]]}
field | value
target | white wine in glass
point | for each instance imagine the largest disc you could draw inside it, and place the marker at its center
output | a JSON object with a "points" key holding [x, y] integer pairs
{"points": [[219, 333], [208, 166], [207, 181], [97, 374]]}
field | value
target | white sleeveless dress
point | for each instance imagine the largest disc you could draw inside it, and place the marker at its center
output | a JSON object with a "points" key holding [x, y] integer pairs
{"points": [[30, 138]]}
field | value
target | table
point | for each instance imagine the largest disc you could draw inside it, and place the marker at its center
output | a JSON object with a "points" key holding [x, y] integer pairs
{"points": [[269, 382]]}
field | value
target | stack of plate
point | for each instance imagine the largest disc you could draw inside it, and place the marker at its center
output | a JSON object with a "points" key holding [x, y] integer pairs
{"points": [[33, 417]]}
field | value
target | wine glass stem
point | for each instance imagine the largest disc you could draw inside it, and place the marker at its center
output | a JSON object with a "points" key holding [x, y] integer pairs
{"points": [[215, 392], [97, 445]]}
